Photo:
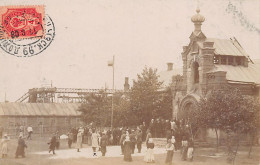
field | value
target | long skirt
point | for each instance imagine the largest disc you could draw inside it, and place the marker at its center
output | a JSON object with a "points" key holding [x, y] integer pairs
{"points": [[103, 150], [190, 153], [184, 153], [127, 152], [4, 148], [20, 151], [169, 157], [149, 156]]}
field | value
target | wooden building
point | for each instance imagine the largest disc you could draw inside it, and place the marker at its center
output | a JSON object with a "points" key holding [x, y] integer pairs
{"points": [[44, 118]]}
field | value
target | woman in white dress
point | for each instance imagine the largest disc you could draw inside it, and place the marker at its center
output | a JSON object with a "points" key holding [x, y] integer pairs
{"points": [[79, 140], [94, 139], [4, 146], [149, 156]]}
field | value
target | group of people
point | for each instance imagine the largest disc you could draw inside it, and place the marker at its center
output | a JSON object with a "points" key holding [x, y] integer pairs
{"points": [[177, 134], [20, 150]]}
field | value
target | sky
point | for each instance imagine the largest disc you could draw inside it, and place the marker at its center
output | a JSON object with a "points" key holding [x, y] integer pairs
{"points": [[138, 33]]}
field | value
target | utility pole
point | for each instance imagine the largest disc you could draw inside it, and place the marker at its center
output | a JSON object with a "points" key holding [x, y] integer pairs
{"points": [[112, 63], [113, 88]]}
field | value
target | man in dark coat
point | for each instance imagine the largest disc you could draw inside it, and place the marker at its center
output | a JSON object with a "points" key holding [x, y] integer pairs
{"points": [[52, 144], [122, 140], [139, 140], [70, 139], [20, 148], [143, 128], [133, 140]]}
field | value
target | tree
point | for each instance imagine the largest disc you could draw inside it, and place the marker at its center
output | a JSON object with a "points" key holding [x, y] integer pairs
{"points": [[145, 96], [228, 108], [96, 109], [123, 114]]}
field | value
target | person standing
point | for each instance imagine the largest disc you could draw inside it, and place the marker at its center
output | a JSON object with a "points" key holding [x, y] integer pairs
{"points": [[190, 150], [133, 140], [127, 150], [148, 136], [184, 145], [70, 139], [170, 151], [149, 156], [139, 140], [103, 143], [122, 140], [4, 145], [94, 139], [20, 148], [57, 140], [52, 144], [30, 131], [79, 140]]}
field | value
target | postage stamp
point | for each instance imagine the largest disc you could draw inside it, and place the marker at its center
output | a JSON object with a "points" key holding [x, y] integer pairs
{"points": [[31, 46], [19, 22]]}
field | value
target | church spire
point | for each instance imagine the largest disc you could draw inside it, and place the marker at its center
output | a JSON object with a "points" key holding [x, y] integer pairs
{"points": [[197, 19]]}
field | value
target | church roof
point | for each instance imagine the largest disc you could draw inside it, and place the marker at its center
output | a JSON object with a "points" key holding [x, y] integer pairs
{"points": [[241, 73], [229, 47], [39, 109], [166, 76]]}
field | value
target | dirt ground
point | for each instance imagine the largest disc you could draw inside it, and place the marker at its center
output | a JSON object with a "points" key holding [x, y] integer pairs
{"points": [[37, 154]]}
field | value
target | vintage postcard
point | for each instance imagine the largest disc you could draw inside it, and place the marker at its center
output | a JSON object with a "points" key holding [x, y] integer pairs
{"points": [[113, 82]]}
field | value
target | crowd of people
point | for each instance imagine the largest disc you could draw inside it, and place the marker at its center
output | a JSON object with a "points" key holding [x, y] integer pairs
{"points": [[177, 135]]}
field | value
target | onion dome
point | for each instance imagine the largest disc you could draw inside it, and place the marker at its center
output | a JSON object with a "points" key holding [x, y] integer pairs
{"points": [[197, 18]]}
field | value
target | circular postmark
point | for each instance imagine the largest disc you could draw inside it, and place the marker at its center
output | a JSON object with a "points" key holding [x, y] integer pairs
{"points": [[30, 46]]}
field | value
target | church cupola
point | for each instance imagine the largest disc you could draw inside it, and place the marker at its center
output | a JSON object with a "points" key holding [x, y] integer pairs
{"points": [[197, 19]]}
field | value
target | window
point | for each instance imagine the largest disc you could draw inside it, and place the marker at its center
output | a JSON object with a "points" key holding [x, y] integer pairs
{"points": [[196, 72], [238, 60], [223, 60], [216, 59], [230, 60]]}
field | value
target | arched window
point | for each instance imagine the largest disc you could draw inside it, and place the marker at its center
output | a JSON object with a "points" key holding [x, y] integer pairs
{"points": [[196, 72]]}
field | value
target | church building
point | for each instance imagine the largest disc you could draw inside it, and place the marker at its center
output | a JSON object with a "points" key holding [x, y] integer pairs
{"points": [[209, 63]]}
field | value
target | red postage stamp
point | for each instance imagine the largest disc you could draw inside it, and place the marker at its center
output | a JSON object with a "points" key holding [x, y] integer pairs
{"points": [[21, 22]]}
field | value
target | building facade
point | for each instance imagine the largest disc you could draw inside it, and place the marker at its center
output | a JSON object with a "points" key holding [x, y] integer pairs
{"points": [[209, 63], [44, 118]]}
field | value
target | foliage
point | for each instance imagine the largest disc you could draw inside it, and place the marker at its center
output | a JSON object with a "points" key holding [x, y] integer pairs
{"points": [[226, 108], [96, 109], [146, 98]]}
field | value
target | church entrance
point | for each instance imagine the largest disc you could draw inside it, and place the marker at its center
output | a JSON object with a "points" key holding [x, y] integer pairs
{"points": [[188, 107]]}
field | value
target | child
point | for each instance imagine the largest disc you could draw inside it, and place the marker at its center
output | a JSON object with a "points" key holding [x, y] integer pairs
{"points": [[149, 156], [190, 150], [170, 150]]}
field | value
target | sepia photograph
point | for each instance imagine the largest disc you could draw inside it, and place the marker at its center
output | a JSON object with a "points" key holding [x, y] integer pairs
{"points": [[130, 82]]}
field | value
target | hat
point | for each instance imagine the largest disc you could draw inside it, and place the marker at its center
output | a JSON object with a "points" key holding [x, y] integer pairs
{"points": [[5, 135]]}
